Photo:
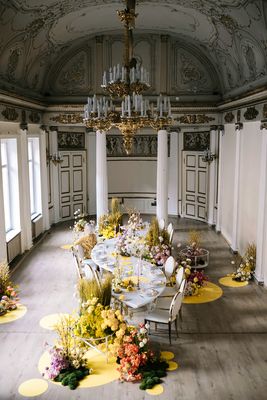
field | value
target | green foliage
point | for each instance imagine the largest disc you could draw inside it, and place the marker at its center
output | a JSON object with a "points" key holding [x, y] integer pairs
{"points": [[71, 377], [152, 373]]}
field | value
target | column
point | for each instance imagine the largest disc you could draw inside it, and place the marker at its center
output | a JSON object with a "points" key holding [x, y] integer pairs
{"points": [[162, 176], [219, 183], [261, 261], [54, 173], [101, 175], [212, 177], [3, 253], [238, 128], [24, 191], [44, 178]]}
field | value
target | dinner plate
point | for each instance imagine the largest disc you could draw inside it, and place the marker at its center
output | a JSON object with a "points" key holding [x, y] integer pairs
{"points": [[157, 282], [150, 292], [157, 271]]}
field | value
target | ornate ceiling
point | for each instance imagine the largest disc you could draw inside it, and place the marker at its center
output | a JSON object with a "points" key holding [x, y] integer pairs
{"points": [[230, 34]]}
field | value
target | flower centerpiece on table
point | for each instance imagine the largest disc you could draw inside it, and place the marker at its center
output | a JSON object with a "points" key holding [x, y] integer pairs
{"points": [[109, 224], [68, 364], [137, 361], [246, 265], [8, 293], [158, 243], [195, 279], [80, 220], [135, 221]]}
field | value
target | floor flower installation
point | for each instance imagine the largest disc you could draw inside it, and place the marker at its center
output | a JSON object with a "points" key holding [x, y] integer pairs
{"points": [[230, 282], [51, 320], [209, 292], [19, 312], [33, 387]]}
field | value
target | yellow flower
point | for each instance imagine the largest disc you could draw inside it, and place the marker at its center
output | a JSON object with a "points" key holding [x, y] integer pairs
{"points": [[195, 279], [187, 271], [122, 297]]}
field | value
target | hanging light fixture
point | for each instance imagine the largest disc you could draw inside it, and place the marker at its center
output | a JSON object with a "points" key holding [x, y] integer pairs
{"points": [[208, 156], [125, 108]]}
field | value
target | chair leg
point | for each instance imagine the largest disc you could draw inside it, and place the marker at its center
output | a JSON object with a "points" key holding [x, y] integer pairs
{"points": [[180, 314], [176, 326], [170, 332]]}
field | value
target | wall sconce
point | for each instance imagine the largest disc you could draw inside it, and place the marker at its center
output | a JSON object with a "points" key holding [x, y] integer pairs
{"points": [[56, 158], [208, 156]]}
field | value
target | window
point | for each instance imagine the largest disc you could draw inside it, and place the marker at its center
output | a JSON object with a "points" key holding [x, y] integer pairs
{"points": [[9, 167], [34, 176]]}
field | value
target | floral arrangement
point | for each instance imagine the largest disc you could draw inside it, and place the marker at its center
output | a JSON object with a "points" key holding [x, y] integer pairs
{"points": [[195, 279], [135, 221], [158, 243], [8, 293], [68, 364], [88, 289], [97, 321], [193, 251], [137, 362], [79, 221], [108, 224], [247, 265], [129, 244]]}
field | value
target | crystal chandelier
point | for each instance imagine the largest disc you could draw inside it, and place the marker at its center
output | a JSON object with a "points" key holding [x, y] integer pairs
{"points": [[125, 108]]}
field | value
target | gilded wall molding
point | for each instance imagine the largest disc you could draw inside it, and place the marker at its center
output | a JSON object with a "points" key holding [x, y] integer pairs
{"points": [[68, 118], [10, 114], [251, 113], [70, 140], [229, 117], [194, 119]]}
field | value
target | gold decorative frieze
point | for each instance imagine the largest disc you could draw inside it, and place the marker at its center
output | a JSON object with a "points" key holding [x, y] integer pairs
{"points": [[34, 117], [229, 117], [68, 118], [194, 119], [10, 114], [251, 113]]}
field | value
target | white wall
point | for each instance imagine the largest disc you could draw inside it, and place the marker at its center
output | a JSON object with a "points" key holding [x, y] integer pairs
{"points": [[249, 184], [227, 181]]}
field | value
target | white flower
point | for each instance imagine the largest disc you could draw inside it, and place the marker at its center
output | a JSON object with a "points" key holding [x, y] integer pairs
{"points": [[145, 340], [147, 325], [232, 262], [141, 344], [143, 331]]}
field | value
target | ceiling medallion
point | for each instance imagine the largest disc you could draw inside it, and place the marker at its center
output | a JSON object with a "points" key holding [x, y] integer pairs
{"points": [[67, 118], [126, 83], [229, 117], [251, 113], [194, 119]]}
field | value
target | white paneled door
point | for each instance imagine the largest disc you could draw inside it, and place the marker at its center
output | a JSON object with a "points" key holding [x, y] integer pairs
{"points": [[72, 181], [195, 185]]}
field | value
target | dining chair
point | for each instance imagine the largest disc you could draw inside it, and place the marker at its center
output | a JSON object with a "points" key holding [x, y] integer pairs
{"points": [[77, 262], [169, 228], [163, 302], [170, 291], [169, 267], [87, 271], [171, 236], [167, 317], [161, 224]]}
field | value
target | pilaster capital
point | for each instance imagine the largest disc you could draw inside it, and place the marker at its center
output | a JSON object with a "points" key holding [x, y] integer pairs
{"points": [[23, 126], [44, 128], [213, 128], [53, 128], [238, 126], [263, 126]]}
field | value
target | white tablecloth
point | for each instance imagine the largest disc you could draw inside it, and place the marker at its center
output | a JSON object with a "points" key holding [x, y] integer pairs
{"points": [[152, 279]]}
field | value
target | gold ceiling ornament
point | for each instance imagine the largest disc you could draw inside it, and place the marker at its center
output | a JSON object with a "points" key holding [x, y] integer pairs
{"points": [[125, 84]]}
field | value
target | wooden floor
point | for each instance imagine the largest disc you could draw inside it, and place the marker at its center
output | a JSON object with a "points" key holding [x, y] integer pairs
{"points": [[222, 349]]}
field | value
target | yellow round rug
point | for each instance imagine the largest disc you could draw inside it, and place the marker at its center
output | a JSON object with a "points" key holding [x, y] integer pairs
{"points": [[49, 321], [167, 355], [172, 366], [102, 374], [156, 390], [66, 246], [209, 292], [13, 315], [228, 281], [33, 387]]}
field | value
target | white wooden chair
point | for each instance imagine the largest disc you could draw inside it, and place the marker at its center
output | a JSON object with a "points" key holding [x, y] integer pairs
{"points": [[170, 291], [161, 224], [159, 316], [169, 267], [87, 270], [169, 228]]}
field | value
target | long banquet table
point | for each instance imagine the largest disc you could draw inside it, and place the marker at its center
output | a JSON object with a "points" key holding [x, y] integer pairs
{"points": [[152, 279]]}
